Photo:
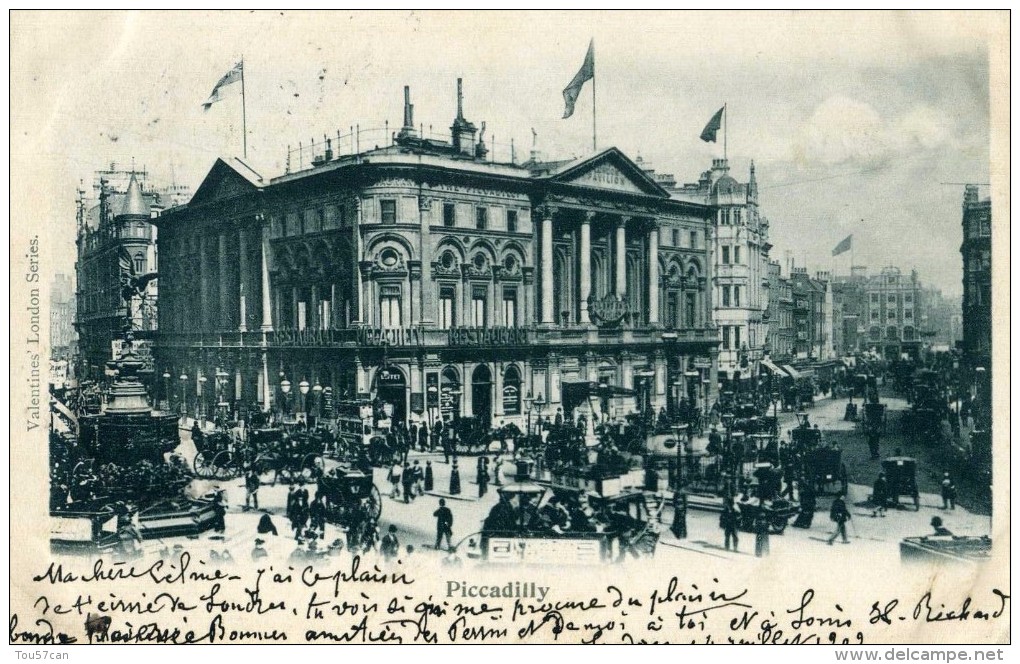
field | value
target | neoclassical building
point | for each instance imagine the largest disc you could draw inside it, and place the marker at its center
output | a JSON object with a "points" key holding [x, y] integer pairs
{"points": [[425, 274]]}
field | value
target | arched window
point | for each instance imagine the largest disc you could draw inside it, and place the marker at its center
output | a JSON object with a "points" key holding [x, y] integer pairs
{"points": [[892, 333], [875, 333], [512, 391], [908, 333], [139, 263]]}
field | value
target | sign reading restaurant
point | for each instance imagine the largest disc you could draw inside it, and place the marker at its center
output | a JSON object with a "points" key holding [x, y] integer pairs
{"points": [[488, 336]]}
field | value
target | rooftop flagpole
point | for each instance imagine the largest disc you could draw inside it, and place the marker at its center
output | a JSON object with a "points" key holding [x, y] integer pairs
{"points": [[594, 127], [725, 127], [244, 113]]}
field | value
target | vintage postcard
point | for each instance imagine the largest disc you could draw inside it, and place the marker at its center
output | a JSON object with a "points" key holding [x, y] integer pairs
{"points": [[521, 327]]}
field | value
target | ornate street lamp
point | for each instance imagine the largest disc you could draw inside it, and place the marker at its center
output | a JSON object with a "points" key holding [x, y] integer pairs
{"points": [[285, 391], [432, 398], [303, 388], [317, 399], [184, 395], [528, 401], [202, 380]]}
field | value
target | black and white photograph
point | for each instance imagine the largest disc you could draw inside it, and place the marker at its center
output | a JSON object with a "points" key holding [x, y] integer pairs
{"points": [[512, 327]]}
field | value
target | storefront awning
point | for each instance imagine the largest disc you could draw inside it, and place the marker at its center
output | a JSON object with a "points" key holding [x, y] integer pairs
{"points": [[793, 373], [771, 366]]}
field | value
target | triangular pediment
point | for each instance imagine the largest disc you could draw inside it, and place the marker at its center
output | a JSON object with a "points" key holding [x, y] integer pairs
{"points": [[610, 170], [226, 180]]}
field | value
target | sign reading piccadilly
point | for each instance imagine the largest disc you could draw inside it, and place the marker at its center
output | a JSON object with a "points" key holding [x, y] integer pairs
{"points": [[398, 336], [488, 336]]}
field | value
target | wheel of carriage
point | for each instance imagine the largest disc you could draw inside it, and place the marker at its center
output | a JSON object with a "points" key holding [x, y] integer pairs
{"points": [[778, 524], [265, 468], [225, 465], [646, 542], [202, 466], [374, 502]]}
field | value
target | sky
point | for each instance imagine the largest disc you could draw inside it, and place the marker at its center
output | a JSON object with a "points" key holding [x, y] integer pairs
{"points": [[853, 121]]}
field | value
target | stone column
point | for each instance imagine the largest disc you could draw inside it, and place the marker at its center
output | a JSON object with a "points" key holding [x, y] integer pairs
{"points": [[547, 266], [713, 375], [584, 278], [312, 310], [221, 273], [426, 288], [621, 257], [416, 286], [653, 274], [203, 278], [242, 279], [497, 399], [267, 302]]}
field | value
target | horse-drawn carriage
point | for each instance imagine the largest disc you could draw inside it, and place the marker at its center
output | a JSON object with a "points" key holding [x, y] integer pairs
{"points": [[575, 523], [901, 476], [220, 455], [288, 456], [874, 419], [352, 499]]}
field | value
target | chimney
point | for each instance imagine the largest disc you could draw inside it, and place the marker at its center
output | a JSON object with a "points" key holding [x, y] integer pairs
{"points": [[463, 132], [407, 131]]}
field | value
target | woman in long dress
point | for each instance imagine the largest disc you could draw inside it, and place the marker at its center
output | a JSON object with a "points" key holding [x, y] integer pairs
{"points": [[430, 480], [454, 479]]}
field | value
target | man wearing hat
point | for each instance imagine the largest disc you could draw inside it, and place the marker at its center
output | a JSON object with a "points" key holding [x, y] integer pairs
{"points": [[259, 551], [390, 544], [948, 493]]}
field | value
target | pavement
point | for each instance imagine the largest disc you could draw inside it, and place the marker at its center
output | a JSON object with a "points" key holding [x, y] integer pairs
{"points": [[878, 536]]}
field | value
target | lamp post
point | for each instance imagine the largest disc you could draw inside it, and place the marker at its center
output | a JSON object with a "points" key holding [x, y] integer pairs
{"points": [[166, 390], [285, 392], [184, 395], [200, 409], [433, 397], [303, 388], [222, 406], [316, 401], [528, 401], [539, 404]]}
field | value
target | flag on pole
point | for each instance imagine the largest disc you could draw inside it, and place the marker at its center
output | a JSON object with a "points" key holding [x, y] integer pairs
{"points": [[843, 246], [710, 130], [232, 76], [586, 73]]}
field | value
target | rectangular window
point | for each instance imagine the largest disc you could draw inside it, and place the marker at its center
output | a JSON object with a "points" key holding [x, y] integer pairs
{"points": [[449, 214], [736, 216], [389, 307], [736, 337], [874, 298], [908, 314], [726, 337], [676, 237], [478, 302], [736, 296], [481, 218], [736, 255], [874, 315], [726, 255], [510, 308], [672, 310], [726, 296], [447, 295], [388, 211], [694, 239], [690, 317], [511, 221]]}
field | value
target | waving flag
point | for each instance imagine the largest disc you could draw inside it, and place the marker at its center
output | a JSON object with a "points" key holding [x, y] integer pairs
{"points": [[712, 128], [586, 73], [233, 76], [843, 246]]}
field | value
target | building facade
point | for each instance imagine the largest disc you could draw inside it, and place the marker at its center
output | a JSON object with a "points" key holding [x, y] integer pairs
{"points": [[741, 286], [116, 243], [425, 275], [781, 335], [62, 310], [976, 250], [893, 314]]}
